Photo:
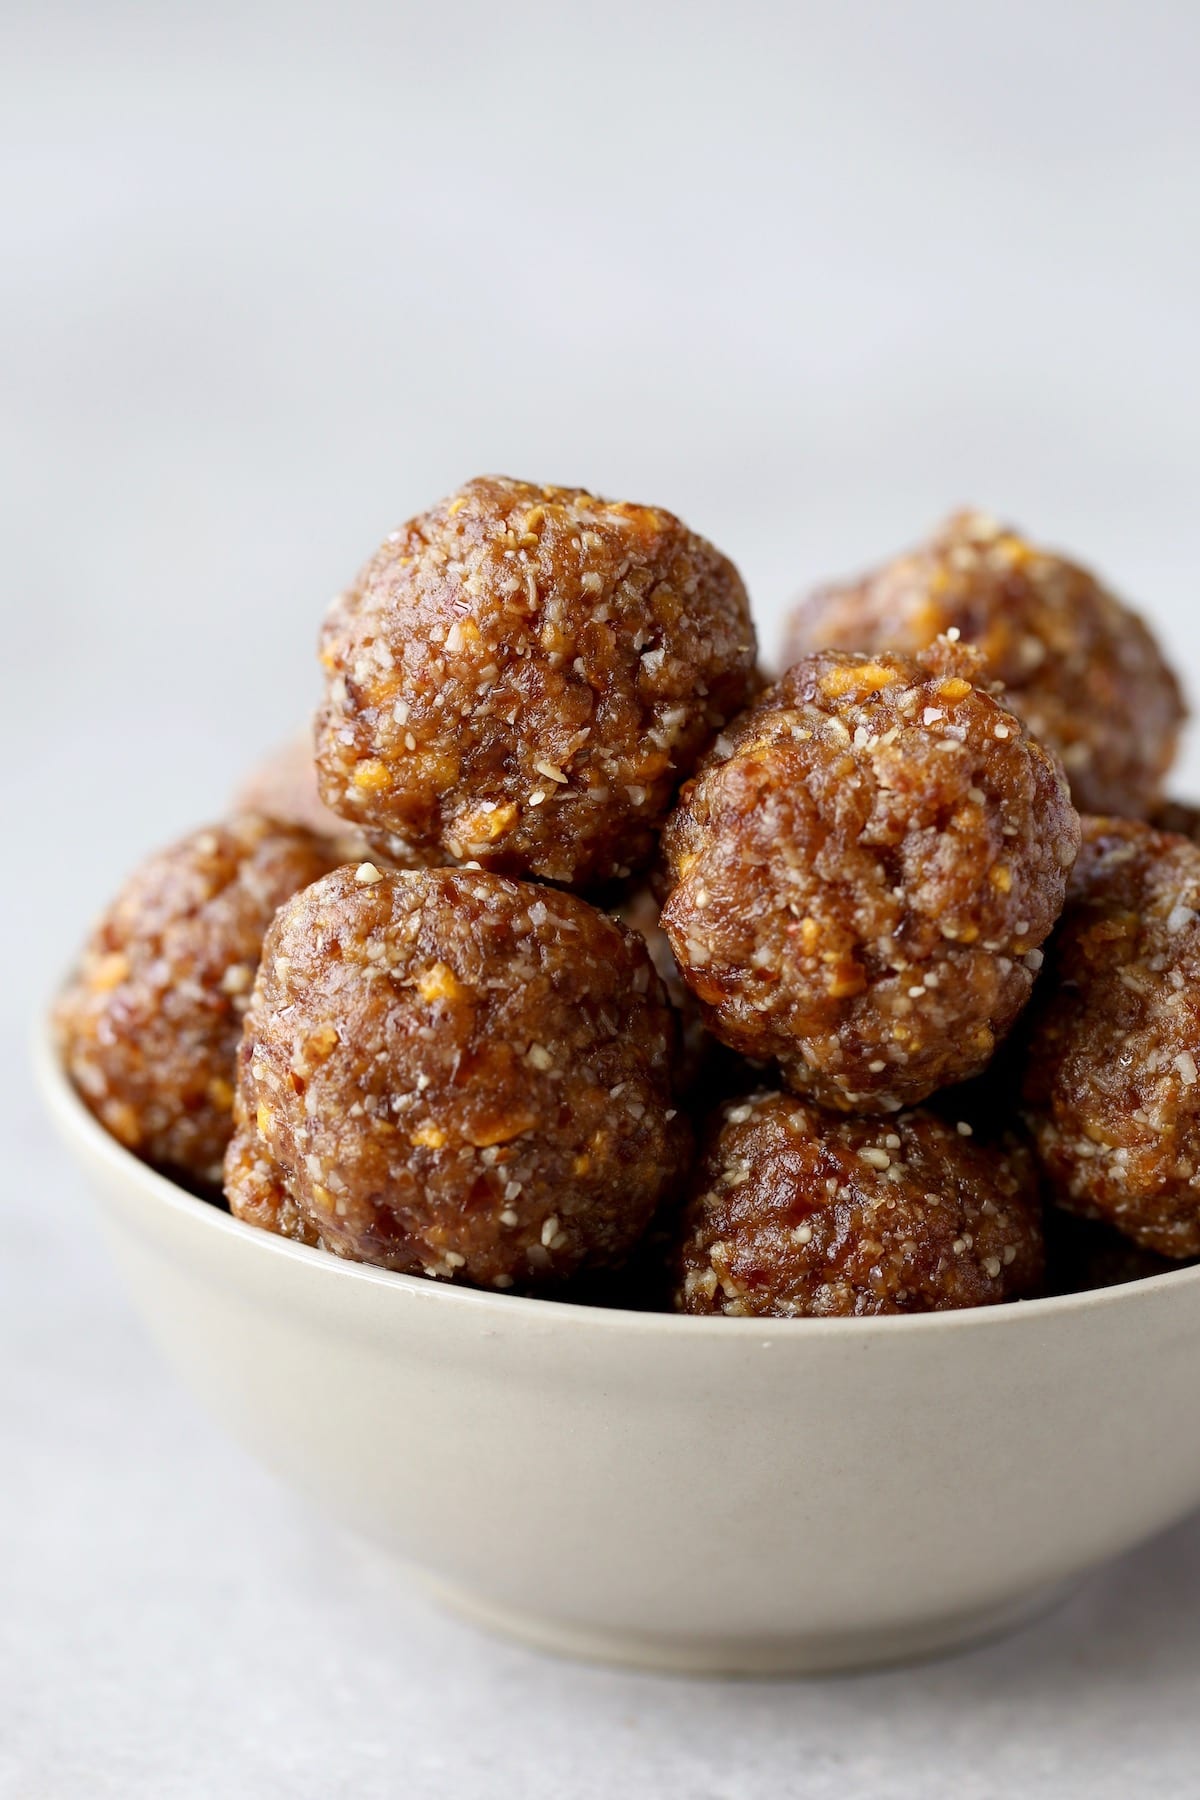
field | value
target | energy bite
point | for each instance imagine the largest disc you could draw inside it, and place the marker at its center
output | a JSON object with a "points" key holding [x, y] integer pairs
{"points": [[521, 677], [1179, 817], [1084, 1254], [1084, 672], [639, 909], [1112, 1075], [864, 874], [795, 1212], [449, 1073], [149, 1025], [283, 786]]}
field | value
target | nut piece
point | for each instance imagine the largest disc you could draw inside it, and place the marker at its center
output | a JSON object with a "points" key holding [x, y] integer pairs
{"points": [[1112, 1076], [863, 882], [449, 1073], [795, 1212], [521, 677], [1084, 672], [149, 1026]]}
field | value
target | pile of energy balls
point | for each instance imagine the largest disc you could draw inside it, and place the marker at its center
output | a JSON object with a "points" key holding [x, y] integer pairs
{"points": [[594, 965]]}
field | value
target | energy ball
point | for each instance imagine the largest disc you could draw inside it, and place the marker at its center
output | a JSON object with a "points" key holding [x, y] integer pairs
{"points": [[639, 908], [1082, 670], [795, 1212], [449, 1073], [284, 786], [150, 1023], [1112, 1077], [521, 677], [1083, 1255], [1179, 817], [864, 875]]}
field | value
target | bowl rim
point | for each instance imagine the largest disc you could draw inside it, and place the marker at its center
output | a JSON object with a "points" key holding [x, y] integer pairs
{"points": [[76, 1123]]}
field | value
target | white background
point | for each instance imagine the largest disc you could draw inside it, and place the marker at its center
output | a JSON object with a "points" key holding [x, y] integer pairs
{"points": [[272, 278]]}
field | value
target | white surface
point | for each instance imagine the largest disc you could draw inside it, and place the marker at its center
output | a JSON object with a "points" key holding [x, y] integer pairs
{"points": [[270, 279]]}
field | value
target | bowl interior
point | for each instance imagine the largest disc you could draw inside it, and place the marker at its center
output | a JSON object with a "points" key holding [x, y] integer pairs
{"points": [[82, 1131]]}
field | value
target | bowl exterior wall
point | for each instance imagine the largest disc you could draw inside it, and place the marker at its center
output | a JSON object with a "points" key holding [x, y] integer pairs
{"points": [[696, 1494]]}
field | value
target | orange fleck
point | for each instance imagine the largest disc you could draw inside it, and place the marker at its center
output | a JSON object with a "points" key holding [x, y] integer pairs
{"points": [[486, 827], [373, 776], [810, 936], [846, 979], [867, 678], [439, 982], [108, 972], [487, 1133], [123, 1122]]}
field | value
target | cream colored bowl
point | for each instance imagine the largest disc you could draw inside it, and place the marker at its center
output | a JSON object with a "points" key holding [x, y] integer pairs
{"points": [[698, 1494]]}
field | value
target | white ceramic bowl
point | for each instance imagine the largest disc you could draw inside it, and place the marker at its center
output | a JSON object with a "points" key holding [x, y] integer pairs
{"points": [[696, 1494]]}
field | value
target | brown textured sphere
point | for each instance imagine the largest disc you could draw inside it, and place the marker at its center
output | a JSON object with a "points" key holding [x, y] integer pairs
{"points": [[1179, 817], [149, 1026], [449, 1073], [1082, 670], [863, 883], [1085, 1254], [522, 676], [639, 908], [283, 786], [795, 1212], [1112, 1079]]}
